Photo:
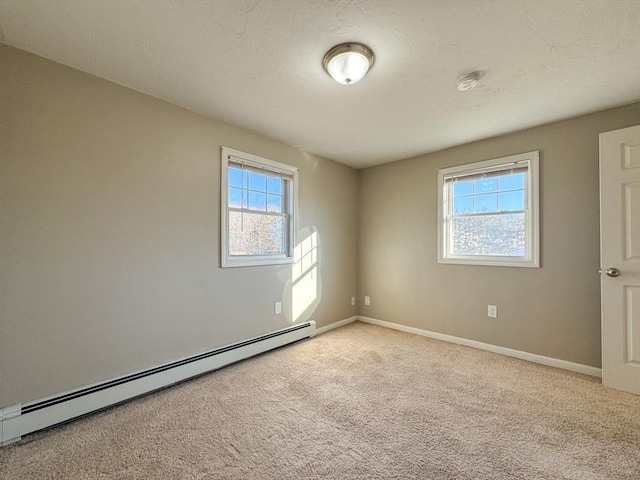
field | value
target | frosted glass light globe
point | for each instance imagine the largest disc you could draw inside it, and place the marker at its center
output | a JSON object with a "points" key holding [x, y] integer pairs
{"points": [[348, 63]]}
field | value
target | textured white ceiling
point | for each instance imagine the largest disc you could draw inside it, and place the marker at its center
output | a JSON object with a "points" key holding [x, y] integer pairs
{"points": [[258, 64]]}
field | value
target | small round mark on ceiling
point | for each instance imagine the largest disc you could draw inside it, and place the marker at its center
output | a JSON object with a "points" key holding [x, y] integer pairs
{"points": [[468, 81]]}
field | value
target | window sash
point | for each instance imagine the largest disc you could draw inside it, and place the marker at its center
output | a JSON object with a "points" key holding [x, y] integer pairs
{"points": [[281, 254], [449, 197], [285, 196], [285, 236], [527, 239]]}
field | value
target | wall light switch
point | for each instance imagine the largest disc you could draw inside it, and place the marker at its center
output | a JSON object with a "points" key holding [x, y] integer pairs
{"points": [[278, 308], [492, 311], [367, 300]]}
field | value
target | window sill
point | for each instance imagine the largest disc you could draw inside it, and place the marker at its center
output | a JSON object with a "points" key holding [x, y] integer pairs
{"points": [[491, 262], [255, 261]]}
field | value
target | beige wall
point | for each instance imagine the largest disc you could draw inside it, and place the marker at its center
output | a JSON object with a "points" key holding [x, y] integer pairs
{"points": [[552, 311], [109, 232]]}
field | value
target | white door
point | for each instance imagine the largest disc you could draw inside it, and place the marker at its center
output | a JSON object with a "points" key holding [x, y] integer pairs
{"points": [[620, 257]]}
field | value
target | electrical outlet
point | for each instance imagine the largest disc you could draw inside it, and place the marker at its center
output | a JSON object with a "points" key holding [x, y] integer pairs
{"points": [[278, 308], [353, 301], [492, 311], [367, 300]]}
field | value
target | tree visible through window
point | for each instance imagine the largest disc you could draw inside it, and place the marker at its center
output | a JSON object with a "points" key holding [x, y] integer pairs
{"points": [[258, 208], [489, 212]]}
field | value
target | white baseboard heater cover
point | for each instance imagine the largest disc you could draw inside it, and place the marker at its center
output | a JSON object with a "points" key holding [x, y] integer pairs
{"points": [[21, 419]]}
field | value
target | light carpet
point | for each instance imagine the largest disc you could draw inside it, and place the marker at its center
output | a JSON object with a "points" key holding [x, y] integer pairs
{"points": [[357, 402]]}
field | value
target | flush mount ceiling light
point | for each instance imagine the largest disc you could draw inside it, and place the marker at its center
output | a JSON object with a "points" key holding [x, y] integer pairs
{"points": [[468, 81], [348, 63]]}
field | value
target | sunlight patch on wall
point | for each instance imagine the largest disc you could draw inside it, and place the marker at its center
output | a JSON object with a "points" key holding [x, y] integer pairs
{"points": [[304, 275]]}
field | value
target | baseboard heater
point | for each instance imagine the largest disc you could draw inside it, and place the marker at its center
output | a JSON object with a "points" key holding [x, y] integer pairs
{"points": [[21, 419]]}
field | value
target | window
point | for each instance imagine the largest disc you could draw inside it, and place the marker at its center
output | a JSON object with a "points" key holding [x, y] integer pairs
{"points": [[258, 210], [488, 212]]}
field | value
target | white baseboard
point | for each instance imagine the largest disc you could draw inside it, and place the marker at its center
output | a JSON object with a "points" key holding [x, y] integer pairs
{"points": [[331, 326], [21, 419], [531, 357]]}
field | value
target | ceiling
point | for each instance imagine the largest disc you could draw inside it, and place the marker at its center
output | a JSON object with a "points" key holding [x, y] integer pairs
{"points": [[258, 64]]}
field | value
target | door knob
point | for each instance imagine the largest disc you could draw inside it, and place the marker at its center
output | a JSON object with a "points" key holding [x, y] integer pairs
{"points": [[612, 272]]}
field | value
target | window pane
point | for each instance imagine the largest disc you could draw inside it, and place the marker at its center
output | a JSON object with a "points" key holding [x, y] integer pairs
{"points": [[255, 234], [512, 182], [274, 203], [274, 185], [235, 177], [486, 203], [511, 200], [462, 188], [235, 197], [462, 205], [257, 181], [484, 185], [502, 235], [257, 201]]}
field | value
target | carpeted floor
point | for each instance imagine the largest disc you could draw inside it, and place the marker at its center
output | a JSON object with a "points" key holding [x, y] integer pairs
{"points": [[357, 402]]}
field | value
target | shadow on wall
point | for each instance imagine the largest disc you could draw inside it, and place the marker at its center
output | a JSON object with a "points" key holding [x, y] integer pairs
{"points": [[305, 283]]}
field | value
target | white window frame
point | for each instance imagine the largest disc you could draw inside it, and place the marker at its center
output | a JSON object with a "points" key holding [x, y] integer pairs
{"points": [[532, 214], [254, 161]]}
